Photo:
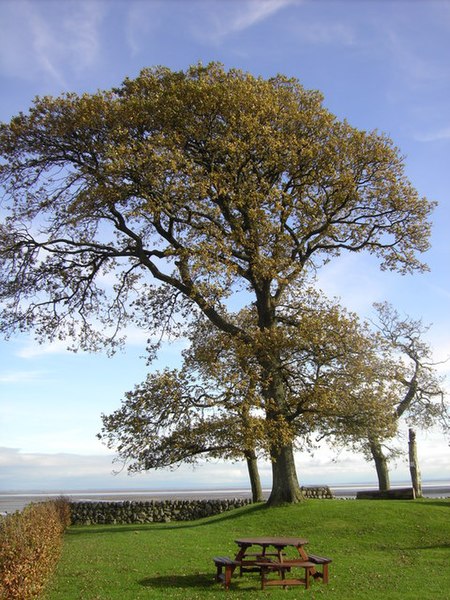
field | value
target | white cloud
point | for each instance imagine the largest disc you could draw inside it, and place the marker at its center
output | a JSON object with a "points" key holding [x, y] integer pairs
{"points": [[252, 12], [407, 56], [356, 279], [32, 349], [20, 377], [325, 33], [209, 21], [49, 39], [434, 136], [26, 467], [143, 19], [67, 470], [226, 18], [24, 470], [133, 335]]}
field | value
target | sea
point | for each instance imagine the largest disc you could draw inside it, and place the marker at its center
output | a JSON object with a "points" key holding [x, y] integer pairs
{"points": [[11, 501]]}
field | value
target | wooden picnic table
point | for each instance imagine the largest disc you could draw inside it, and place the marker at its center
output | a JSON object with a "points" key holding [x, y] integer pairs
{"points": [[271, 556]]}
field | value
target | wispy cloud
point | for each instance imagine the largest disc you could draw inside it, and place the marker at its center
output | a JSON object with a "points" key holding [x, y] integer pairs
{"points": [[28, 470], [132, 335], [142, 19], [404, 40], [32, 349], [434, 136], [70, 471], [82, 26], [227, 18], [348, 280], [20, 377], [252, 12], [208, 21], [49, 39], [323, 33]]}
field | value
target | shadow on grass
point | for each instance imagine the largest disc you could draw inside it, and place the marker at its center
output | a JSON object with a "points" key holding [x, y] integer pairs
{"points": [[198, 582], [191, 581], [444, 502], [442, 546], [229, 515]]}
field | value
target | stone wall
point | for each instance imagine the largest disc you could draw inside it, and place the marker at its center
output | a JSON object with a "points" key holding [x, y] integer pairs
{"points": [[93, 513], [322, 492], [155, 511]]}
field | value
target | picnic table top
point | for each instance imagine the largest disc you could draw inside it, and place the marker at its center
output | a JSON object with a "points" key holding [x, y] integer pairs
{"points": [[271, 541]]}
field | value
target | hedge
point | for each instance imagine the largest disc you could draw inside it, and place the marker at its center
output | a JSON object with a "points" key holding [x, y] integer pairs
{"points": [[30, 546]]}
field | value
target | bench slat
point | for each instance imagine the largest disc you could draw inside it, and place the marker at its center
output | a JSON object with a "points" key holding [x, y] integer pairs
{"points": [[225, 560], [319, 560], [277, 566]]}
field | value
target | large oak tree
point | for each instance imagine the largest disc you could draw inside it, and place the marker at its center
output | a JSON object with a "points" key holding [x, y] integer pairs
{"points": [[184, 189]]}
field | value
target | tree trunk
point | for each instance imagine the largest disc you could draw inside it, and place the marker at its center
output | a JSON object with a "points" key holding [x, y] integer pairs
{"points": [[285, 487], [381, 465], [253, 473], [416, 479]]}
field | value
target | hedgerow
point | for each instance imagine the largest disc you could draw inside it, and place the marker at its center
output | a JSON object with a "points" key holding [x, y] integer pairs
{"points": [[30, 546]]}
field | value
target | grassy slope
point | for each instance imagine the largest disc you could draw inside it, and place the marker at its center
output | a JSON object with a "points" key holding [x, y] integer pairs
{"points": [[380, 549]]}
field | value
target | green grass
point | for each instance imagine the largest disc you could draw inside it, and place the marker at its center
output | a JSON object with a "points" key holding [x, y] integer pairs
{"points": [[380, 549]]}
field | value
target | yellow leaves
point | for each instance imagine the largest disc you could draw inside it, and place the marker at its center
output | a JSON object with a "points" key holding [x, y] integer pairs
{"points": [[253, 178], [30, 544]]}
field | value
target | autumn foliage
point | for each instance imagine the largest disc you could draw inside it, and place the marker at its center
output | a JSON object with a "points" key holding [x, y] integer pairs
{"points": [[30, 545]]}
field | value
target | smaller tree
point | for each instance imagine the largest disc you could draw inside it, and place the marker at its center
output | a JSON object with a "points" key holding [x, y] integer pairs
{"points": [[173, 417], [216, 404], [421, 398]]}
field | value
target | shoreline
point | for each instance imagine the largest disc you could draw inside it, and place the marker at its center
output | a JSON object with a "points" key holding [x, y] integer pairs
{"points": [[17, 500]]}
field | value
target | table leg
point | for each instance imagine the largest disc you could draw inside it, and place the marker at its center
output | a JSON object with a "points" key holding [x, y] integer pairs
{"points": [[240, 556], [307, 574], [304, 556], [228, 573]]}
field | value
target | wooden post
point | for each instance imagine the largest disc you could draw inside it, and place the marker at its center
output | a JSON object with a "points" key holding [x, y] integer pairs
{"points": [[414, 465]]}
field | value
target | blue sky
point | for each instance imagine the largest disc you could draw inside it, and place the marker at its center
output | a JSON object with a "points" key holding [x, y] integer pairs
{"points": [[380, 64]]}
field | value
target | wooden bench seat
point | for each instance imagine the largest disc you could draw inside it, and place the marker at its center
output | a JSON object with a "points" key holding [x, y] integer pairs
{"points": [[228, 564], [320, 560], [282, 568]]}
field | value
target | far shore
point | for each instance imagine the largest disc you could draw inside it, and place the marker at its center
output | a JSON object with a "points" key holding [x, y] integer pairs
{"points": [[17, 500]]}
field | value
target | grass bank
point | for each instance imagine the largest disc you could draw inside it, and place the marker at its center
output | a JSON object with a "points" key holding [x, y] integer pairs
{"points": [[380, 549]]}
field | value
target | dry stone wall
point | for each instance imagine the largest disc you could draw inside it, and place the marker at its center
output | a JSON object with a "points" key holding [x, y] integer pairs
{"points": [[322, 492], [156, 511], [101, 513]]}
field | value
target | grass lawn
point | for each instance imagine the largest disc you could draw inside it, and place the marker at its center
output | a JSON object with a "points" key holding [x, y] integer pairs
{"points": [[380, 549]]}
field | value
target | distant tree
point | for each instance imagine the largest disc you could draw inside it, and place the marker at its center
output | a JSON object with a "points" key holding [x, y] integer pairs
{"points": [[173, 193], [171, 419], [421, 399]]}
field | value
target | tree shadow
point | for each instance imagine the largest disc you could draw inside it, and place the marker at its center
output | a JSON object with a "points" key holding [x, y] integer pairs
{"points": [[443, 502], [442, 546], [200, 582], [189, 581]]}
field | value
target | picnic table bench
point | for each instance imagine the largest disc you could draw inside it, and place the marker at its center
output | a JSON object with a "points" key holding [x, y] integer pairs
{"points": [[282, 568], [227, 564]]}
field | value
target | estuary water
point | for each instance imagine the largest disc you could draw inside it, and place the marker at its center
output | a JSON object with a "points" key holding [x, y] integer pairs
{"points": [[10, 501]]}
